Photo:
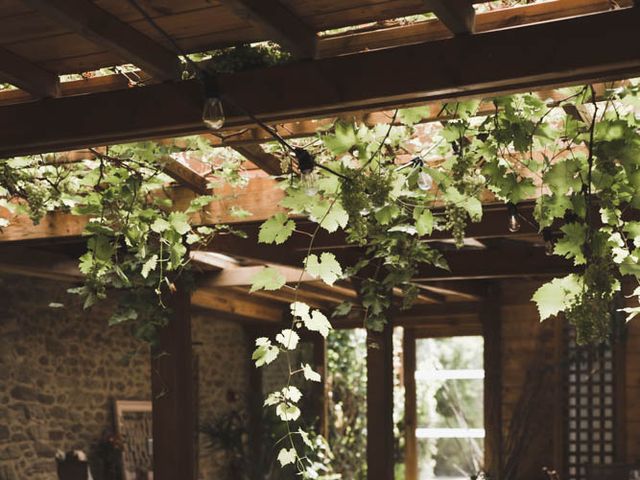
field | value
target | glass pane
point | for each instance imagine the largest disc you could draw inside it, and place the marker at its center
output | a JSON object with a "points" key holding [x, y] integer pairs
{"points": [[451, 458], [450, 406]]}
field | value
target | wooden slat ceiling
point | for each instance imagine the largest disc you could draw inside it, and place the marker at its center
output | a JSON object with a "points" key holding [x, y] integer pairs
{"points": [[196, 25]]}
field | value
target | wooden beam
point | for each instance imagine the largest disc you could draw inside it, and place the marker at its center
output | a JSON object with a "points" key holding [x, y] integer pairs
{"points": [[36, 263], [102, 28], [496, 62], [284, 296], [429, 30], [238, 306], [496, 263], [213, 261], [172, 385], [380, 440], [279, 23], [320, 391], [261, 159], [27, 76], [410, 405], [457, 15], [62, 226], [243, 276], [490, 316], [186, 176], [464, 290], [367, 40]]}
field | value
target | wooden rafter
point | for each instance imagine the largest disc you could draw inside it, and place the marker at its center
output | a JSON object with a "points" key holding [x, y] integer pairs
{"points": [[466, 291], [27, 76], [64, 226], [238, 306], [279, 23], [99, 26], [261, 159], [244, 276], [519, 60], [366, 40], [457, 15], [186, 176], [430, 30]]}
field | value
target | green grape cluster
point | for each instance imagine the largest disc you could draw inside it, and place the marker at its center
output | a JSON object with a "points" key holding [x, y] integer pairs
{"points": [[456, 223]]}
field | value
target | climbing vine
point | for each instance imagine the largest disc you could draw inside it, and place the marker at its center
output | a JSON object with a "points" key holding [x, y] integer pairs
{"points": [[387, 186]]}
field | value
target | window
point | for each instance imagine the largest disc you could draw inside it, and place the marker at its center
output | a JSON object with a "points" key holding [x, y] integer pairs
{"points": [[449, 381]]}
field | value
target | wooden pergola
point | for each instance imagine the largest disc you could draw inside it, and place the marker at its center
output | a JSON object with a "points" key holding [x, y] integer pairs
{"points": [[376, 61]]}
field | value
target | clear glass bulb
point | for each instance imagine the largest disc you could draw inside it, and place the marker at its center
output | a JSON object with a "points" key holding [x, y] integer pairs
{"points": [[514, 223], [309, 182], [425, 182], [213, 113]]}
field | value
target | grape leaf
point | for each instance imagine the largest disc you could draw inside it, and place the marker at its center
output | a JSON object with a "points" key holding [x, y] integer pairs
{"points": [[343, 138], [268, 278], [149, 266], [288, 339], [310, 374], [265, 352], [557, 295], [424, 221], [277, 229], [286, 456], [180, 222], [327, 267], [329, 216], [570, 245], [317, 322]]}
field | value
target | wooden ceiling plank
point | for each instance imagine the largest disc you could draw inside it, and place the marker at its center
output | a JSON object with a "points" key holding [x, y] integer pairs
{"points": [[29, 77], [279, 23], [102, 28], [458, 16], [494, 63]]}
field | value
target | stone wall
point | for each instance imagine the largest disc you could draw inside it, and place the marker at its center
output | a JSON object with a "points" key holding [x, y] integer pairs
{"points": [[61, 368]]}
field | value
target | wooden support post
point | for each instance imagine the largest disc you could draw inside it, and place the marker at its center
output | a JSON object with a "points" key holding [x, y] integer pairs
{"points": [[410, 405], [320, 389], [492, 332], [255, 401], [173, 395], [380, 442]]}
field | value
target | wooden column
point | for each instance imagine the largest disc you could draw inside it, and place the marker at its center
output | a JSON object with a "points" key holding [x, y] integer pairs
{"points": [[320, 389], [173, 394], [410, 405], [380, 404], [492, 327], [255, 400]]}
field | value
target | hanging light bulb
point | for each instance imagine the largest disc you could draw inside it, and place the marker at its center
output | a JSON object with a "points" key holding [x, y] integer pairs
{"points": [[425, 182], [309, 183], [514, 222], [308, 175], [212, 112]]}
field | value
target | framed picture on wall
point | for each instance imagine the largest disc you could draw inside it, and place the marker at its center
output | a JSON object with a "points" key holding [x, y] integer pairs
{"points": [[133, 419]]}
